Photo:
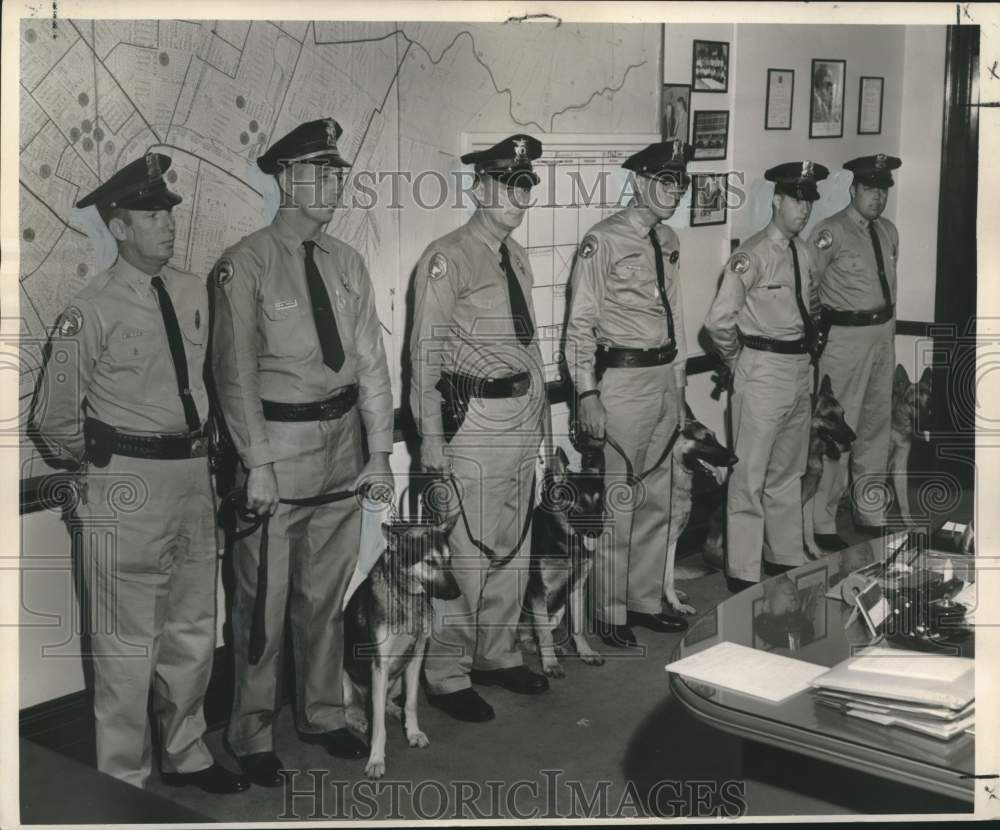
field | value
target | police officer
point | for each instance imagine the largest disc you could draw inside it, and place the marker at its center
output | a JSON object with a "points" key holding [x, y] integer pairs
{"points": [[626, 351], [127, 358], [299, 369], [478, 397], [763, 325], [854, 253]]}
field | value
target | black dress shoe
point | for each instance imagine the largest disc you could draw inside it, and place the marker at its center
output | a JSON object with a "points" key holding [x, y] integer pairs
{"points": [[618, 636], [830, 542], [518, 679], [736, 585], [340, 743], [214, 779], [465, 705], [660, 623], [262, 768]]}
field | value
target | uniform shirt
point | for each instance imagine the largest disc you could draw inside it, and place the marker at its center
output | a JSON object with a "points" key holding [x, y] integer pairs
{"points": [[615, 299], [844, 259], [462, 317], [111, 360], [757, 294], [265, 345]]}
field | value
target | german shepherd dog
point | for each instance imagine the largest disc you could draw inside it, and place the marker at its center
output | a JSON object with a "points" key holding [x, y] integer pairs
{"points": [[387, 624], [911, 411], [830, 436], [570, 512]]}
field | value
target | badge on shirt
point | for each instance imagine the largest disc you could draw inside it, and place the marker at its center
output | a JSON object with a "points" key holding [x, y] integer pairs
{"points": [[283, 305], [740, 263], [437, 267], [588, 246], [674, 256], [70, 322], [224, 271], [824, 240]]}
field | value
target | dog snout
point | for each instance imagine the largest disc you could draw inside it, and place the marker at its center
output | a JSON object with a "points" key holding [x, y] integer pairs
{"points": [[443, 585]]}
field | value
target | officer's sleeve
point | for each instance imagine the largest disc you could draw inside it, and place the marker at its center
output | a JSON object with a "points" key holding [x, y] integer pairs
{"points": [[375, 387], [593, 260], [435, 292], [236, 280], [73, 351], [676, 300], [824, 242], [741, 271]]}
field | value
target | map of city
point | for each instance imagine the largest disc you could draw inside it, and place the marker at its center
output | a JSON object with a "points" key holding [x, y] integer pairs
{"points": [[213, 94]]}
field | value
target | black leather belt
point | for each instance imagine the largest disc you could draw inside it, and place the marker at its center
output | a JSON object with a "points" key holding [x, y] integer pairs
{"points": [[467, 386], [328, 410], [858, 318], [173, 446], [616, 357], [769, 344]]}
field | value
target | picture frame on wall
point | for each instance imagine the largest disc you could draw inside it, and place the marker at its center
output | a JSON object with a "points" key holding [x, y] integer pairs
{"points": [[779, 99], [826, 103], [870, 90], [675, 112], [710, 134], [708, 199], [710, 66]]}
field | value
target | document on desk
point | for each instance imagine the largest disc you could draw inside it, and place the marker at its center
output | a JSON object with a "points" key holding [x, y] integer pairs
{"points": [[761, 674]]}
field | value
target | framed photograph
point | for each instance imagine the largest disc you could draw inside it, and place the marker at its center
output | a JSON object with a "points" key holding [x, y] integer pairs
{"points": [[826, 104], [710, 66], [778, 105], [790, 614], [870, 105], [708, 199], [710, 134], [675, 111], [811, 588]]}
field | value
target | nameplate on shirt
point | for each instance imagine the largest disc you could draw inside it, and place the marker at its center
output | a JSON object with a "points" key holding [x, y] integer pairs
{"points": [[282, 305], [128, 334]]}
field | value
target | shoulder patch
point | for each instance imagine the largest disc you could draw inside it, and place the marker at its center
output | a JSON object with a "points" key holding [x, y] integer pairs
{"points": [[224, 271], [740, 263], [70, 322], [588, 247], [674, 256], [438, 266], [824, 239]]}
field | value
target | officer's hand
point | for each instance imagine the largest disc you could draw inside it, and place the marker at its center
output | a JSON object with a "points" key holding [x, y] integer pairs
{"points": [[376, 478], [262, 490], [432, 457], [591, 416]]}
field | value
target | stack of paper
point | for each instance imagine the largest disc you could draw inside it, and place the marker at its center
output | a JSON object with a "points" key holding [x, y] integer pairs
{"points": [[930, 694]]}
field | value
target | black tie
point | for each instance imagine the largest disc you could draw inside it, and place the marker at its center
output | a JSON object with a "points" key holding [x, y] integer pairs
{"points": [[807, 320], [881, 265], [326, 323], [177, 355], [661, 282], [519, 313]]}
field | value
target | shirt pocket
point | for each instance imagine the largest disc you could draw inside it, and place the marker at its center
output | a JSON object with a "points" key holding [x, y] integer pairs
{"points": [[288, 327], [486, 297], [633, 285], [134, 352]]}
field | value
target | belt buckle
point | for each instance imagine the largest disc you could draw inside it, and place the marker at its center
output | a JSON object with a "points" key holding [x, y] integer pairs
{"points": [[199, 446]]}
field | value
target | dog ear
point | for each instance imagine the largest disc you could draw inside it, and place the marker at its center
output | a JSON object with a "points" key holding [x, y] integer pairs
{"points": [[900, 378], [825, 387], [688, 412], [563, 459], [925, 378]]}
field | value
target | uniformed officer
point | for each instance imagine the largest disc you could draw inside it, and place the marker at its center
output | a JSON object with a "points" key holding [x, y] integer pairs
{"points": [[478, 397], [854, 253], [299, 368], [763, 323], [626, 351], [127, 359]]}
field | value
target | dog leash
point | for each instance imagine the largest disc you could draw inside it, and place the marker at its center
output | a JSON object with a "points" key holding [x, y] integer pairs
{"points": [[629, 473]]}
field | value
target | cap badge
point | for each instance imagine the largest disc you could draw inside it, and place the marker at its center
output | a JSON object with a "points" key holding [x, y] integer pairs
{"points": [[520, 148], [331, 133], [880, 161], [678, 150], [153, 166], [807, 170]]}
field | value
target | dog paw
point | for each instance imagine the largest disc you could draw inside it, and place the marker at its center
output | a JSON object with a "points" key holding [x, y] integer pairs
{"points": [[677, 605], [528, 644], [357, 721], [375, 768], [553, 670], [393, 710], [592, 658], [418, 739]]}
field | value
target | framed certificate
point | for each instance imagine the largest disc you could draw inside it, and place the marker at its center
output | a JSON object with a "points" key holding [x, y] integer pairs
{"points": [[826, 106], [870, 105], [780, 94]]}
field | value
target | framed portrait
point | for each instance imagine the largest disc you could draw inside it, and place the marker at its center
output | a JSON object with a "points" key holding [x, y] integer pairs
{"points": [[870, 105], [710, 134], [790, 615], [710, 66], [826, 103], [675, 111], [780, 95], [708, 199]]}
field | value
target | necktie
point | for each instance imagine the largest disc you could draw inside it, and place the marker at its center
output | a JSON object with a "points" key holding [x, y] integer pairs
{"points": [[881, 265], [807, 320], [177, 355], [519, 313], [661, 282], [326, 323]]}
